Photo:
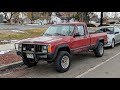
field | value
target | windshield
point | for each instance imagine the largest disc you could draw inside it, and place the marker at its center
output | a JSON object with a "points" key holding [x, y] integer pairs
{"points": [[109, 30], [62, 30]]}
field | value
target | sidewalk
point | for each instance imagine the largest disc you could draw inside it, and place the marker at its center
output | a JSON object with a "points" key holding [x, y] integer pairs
{"points": [[109, 69], [6, 48]]}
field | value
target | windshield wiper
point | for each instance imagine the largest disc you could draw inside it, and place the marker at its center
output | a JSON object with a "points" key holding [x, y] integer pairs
{"points": [[59, 34]]}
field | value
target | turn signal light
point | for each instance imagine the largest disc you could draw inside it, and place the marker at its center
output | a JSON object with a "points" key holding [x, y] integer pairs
{"points": [[49, 49]]}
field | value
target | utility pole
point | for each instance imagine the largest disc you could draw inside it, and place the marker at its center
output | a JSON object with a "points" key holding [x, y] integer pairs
{"points": [[101, 19]]}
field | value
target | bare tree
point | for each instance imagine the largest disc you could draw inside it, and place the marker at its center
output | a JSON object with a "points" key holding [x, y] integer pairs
{"points": [[8, 16], [115, 15], [83, 16], [101, 19], [12, 17]]}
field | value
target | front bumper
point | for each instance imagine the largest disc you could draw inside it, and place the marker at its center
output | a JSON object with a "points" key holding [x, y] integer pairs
{"points": [[108, 44], [38, 56]]}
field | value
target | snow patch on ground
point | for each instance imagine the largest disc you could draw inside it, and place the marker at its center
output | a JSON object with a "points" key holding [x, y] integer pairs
{"points": [[9, 41], [18, 31], [3, 52]]}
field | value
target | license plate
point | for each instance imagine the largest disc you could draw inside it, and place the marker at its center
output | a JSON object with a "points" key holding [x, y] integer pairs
{"points": [[30, 56]]}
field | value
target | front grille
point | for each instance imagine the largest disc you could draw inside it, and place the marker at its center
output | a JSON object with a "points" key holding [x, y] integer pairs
{"points": [[27, 47], [38, 48]]}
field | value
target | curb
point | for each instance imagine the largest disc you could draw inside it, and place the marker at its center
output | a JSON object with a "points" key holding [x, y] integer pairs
{"points": [[10, 66]]}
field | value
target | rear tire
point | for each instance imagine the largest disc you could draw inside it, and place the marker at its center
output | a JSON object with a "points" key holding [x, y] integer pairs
{"points": [[99, 51], [30, 62], [113, 43], [62, 62]]}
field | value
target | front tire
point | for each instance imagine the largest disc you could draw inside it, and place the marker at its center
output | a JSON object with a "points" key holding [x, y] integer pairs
{"points": [[99, 51], [113, 43], [29, 62], [62, 62]]}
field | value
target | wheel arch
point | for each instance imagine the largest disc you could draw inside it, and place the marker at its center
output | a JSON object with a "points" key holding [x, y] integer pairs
{"points": [[98, 41], [63, 47]]}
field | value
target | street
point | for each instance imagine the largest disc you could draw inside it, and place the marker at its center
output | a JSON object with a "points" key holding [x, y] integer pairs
{"points": [[80, 64], [20, 27]]}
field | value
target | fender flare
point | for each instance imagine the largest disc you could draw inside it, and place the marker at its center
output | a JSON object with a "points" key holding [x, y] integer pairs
{"points": [[99, 40], [59, 47]]}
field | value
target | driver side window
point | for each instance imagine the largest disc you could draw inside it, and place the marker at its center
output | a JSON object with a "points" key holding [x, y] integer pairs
{"points": [[80, 30]]}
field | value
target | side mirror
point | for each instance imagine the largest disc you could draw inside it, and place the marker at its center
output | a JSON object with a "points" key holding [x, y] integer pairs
{"points": [[76, 35], [116, 32]]}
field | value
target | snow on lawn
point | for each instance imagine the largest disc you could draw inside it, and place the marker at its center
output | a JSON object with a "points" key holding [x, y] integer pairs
{"points": [[3, 52], [9, 41], [18, 31]]}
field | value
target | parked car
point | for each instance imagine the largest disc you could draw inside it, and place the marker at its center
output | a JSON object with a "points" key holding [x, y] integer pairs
{"points": [[58, 44], [113, 35]]}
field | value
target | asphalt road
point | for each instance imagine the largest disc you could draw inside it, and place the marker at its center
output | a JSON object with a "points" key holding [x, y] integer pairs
{"points": [[20, 27], [83, 66]]}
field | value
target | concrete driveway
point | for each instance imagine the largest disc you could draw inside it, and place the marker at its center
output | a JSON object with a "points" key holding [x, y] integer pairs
{"points": [[108, 69]]}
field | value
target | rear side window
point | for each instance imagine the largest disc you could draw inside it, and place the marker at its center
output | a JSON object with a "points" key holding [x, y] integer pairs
{"points": [[80, 30]]}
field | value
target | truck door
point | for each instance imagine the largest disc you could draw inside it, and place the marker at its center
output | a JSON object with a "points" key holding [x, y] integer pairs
{"points": [[81, 40]]}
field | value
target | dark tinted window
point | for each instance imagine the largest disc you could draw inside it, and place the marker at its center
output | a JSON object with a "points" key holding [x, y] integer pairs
{"points": [[103, 30], [100, 30]]}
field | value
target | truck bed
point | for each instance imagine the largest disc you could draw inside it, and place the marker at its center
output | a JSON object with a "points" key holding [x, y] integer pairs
{"points": [[95, 36]]}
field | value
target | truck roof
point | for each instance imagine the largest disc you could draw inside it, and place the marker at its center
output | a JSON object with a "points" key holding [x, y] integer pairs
{"points": [[72, 23]]}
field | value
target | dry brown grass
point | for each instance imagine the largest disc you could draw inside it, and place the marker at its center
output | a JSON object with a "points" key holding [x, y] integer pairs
{"points": [[10, 35]]}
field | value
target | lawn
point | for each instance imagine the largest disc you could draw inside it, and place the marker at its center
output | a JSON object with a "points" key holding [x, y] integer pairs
{"points": [[10, 35]]}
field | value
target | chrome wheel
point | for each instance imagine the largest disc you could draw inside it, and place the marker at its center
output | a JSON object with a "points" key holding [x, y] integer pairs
{"points": [[113, 43], [65, 62], [101, 50]]}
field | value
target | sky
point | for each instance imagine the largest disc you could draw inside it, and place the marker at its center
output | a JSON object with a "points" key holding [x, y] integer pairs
{"points": [[109, 14]]}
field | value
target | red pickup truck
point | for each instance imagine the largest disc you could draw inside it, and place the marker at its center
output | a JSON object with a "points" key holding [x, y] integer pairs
{"points": [[58, 43]]}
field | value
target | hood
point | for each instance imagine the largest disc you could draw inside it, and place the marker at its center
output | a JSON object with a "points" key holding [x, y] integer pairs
{"points": [[41, 39]]}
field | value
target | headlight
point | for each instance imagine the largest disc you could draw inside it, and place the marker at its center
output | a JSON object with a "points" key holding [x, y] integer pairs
{"points": [[44, 49], [32, 49], [18, 46], [24, 48]]}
